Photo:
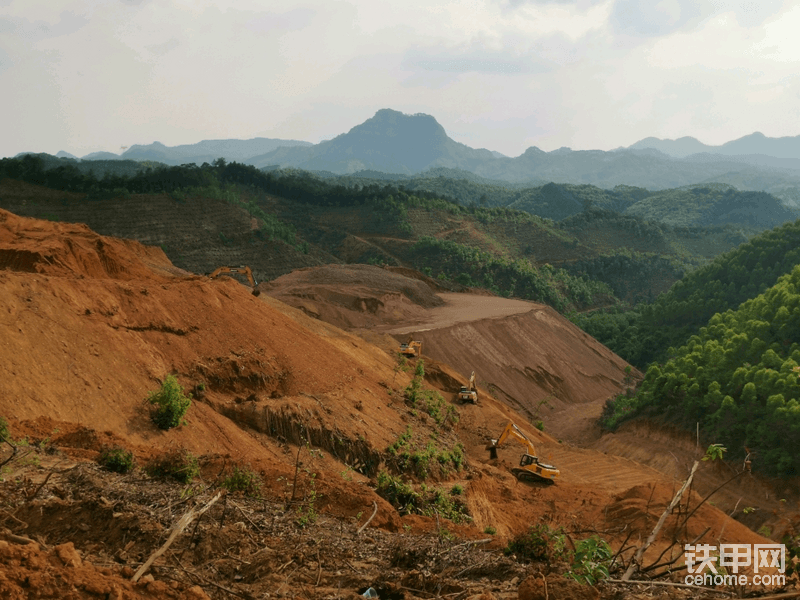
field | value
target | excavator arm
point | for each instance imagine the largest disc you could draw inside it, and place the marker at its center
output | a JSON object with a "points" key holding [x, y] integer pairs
{"points": [[242, 270], [513, 431]]}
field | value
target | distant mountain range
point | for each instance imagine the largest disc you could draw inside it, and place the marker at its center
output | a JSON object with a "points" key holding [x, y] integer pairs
{"points": [[754, 144], [400, 144], [205, 151], [397, 143]]}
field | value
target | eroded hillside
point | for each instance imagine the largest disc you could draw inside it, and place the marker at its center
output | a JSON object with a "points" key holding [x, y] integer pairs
{"points": [[92, 324]]}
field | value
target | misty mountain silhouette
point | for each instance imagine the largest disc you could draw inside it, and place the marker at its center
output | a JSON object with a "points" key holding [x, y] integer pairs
{"points": [[754, 144], [390, 141]]}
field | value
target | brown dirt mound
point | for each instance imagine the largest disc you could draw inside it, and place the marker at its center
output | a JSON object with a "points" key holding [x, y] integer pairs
{"points": [[354, 296], [60, 573], [63, 249], [525, 358]]}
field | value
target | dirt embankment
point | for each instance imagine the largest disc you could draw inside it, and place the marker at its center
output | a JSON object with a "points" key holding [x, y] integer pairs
{"points": [[534, 360]]}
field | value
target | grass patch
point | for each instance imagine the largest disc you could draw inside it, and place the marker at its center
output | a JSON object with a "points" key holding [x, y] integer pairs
{"points": [[117, 460], [407, 455], [429, 401], [245, 480], [421, 500], [180, 465]]}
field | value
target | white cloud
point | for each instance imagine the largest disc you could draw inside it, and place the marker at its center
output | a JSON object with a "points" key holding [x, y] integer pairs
{"points": [[503, 74]]}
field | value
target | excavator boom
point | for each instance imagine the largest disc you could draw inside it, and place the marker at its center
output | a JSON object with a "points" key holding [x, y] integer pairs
{"points": [[242, 270]]}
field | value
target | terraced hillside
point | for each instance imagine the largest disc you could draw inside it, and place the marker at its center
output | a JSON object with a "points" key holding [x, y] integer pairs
{"points": [[229, 214]]}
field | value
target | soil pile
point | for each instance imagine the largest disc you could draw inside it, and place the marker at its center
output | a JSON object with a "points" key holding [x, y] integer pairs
{"points": [[535, 361], [354, 296]]}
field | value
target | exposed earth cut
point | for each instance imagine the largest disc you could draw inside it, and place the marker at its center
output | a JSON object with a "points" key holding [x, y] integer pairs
{"points": [[91, 324]]}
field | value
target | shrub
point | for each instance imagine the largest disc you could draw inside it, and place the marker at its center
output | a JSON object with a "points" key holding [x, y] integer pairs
{"points": [[180, 465], [5, 433], [591, 561], [425, 501], [618, 409], [456, 490], [245, 480], [171, 404], [490, 530], [116, 459], [539, 543], [430, 401]]}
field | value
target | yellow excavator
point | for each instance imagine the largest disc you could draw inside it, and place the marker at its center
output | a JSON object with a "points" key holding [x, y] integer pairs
{"points": [[469, 392], [412, 348], [242, 270], [529, 466]]}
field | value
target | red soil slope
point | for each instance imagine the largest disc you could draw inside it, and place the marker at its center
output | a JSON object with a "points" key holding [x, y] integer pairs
{"points": [[523, 351], [91, 324]]}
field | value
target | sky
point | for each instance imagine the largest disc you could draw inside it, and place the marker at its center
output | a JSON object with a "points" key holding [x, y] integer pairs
{"points": [[90, 75]]}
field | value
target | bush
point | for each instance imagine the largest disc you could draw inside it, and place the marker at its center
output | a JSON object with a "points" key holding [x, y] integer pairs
{"points": [[618, 409], [539, 543], [171, 404], [116, 459], [5, 433], [425, 501], [490, 530], [591, 561], [244, 480], [456, 490], [430, 401], [180, 465]]}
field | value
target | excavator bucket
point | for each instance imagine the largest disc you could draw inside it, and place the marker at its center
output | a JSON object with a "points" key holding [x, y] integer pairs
{"points": [[492, 448], [256, 292]]}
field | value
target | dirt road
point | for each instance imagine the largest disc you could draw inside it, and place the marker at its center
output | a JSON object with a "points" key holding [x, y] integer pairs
{"points": [[464, 308]]}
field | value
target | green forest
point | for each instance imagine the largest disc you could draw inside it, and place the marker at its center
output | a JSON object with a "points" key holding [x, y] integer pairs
{"points": [[646, 332], [702, 205], [735, 378], [473, 267], [463, 264]]}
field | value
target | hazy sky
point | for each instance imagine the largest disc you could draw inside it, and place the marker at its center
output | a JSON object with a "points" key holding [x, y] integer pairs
{"points": [[84, 75]]}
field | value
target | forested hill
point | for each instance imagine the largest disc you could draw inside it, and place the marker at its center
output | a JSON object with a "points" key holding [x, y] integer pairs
{"points": [[646, 333], [713, 204], [701, 205], [735, 378], [693, 206]]}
